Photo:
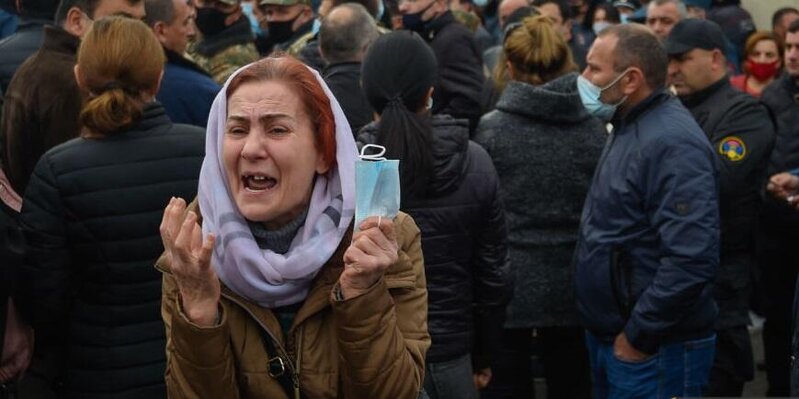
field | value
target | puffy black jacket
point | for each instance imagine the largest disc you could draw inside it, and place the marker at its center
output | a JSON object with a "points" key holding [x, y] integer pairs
{"points": [[464, 244], [545, 147], [90, 216], [18, 47], [649, 237], [741, 131], [782, 99], [459, 85]]}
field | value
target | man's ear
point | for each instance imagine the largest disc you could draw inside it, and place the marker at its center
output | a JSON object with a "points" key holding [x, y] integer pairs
{"points": [[75, 22], [159, 28], [634, 79]]}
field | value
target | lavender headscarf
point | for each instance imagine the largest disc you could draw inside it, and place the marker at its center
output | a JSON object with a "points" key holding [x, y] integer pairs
{"points": [[263, 276]]}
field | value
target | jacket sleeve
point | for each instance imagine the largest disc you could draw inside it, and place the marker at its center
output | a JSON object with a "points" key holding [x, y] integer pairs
{"points": [[491, 272], [681, 197], [750, 123], [46, 275], [382, 334], [199, 360], [460, 80]]}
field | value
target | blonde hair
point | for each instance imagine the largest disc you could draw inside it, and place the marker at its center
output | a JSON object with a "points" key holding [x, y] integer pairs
{"points": [[537, 53], [119, 62]]}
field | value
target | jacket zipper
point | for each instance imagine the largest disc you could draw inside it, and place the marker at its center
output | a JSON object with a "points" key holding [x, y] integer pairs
{"points": [[298, 365], [283, 353]]}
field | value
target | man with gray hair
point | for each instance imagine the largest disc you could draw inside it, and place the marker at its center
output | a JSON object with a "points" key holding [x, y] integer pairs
{"points": [[345, 35], [648, 246], [662, 15]]}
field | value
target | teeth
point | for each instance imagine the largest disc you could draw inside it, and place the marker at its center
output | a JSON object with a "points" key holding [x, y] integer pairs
{"points": [[258, 178]]}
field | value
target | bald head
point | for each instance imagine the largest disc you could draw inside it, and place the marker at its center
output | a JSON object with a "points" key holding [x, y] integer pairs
{"points": [[346, 33], [507, 7]]}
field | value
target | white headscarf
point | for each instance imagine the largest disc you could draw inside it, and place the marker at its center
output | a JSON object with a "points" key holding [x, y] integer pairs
{"points": [[265, 277]]}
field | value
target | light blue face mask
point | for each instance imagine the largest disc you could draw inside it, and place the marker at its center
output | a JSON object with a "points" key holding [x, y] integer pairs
{"points": [[480, 3], [624, 18], [590, 94], [254, 25], [316, 25], [600, 26], [377, 186], [381, 9]]}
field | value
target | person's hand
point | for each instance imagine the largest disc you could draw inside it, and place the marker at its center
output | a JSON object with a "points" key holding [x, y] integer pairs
{"points": [[190, 260], [17, 346], [372, 251], [482, 378], [625, 351], [784, 186]]}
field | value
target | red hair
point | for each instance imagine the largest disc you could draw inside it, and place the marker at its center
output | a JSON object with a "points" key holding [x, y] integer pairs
{"points": [[290, 71]]}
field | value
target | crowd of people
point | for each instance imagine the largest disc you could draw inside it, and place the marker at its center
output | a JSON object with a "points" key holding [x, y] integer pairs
{"points": [[599, 193]]}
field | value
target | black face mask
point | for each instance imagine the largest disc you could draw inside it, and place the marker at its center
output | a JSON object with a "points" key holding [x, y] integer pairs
{"points": [[210, 21], [413, 22], [280, 31]]}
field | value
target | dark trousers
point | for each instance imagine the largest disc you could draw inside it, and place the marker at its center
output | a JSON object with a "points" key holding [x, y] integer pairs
{"points": [[778, 268], [562, 353], [733, 364]]}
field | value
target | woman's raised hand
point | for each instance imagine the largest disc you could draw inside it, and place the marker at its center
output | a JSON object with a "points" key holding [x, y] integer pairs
{"points": [[190, 260], [372, 251]]}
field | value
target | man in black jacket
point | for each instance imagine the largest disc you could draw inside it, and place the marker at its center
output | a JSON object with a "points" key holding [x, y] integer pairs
{"points": [[741, 131], [458, 89], [778, 233], [33, 15], [344, 37]]}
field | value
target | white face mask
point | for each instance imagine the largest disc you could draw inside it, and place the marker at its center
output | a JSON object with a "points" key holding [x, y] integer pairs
{"points": [[600, 26]]}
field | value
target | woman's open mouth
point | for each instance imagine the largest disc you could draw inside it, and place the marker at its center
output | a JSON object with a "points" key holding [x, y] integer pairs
{"points": [[258, 183]]}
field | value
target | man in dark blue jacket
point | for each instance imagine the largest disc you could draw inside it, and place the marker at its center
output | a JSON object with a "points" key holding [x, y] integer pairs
{"points": [[187, 91], [649, 239]]}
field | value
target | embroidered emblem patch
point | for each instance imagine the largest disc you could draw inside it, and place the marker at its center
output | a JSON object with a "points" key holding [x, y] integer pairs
{"points": [[733, 148]]}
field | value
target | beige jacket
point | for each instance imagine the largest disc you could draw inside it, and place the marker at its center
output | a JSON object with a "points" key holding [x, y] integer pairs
{"points": [[369, 347]]}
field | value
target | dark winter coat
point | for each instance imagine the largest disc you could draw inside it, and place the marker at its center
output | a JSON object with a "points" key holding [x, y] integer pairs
{"points": [[545, 147], [459, 87], [90, 216], [41, 107], [741, 131], [18, 47], [649, 235], [344, 80], [187, 91], [782, 99], [464, 244]]}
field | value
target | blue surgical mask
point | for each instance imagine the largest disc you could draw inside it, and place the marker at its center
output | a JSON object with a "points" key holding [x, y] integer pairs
{"points": [[624, 18], [590, 94], [480, 3], [254, 25], [377, 186]]}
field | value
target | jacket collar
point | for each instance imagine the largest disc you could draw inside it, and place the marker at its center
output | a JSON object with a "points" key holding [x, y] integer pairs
{"points": [[789, 83], [342, 67], [179, 60], [432, 27], [60, 41], [153, 116], [238, 33], [657, 97], [693, 100]]}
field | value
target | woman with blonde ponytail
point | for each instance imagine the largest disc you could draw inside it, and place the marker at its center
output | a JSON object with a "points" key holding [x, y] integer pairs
{"points": [[90, 217], [545, 147]]}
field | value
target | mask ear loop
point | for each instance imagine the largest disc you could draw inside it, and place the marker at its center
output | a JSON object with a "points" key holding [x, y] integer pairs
{"points": [[373, 157]]}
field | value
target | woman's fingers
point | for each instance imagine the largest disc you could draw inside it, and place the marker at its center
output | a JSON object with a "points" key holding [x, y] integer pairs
{"points": [[182, 243], [206, 251]]}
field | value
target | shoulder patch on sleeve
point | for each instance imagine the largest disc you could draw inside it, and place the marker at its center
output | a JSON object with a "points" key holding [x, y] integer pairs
{"points": [[733, 148]]}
